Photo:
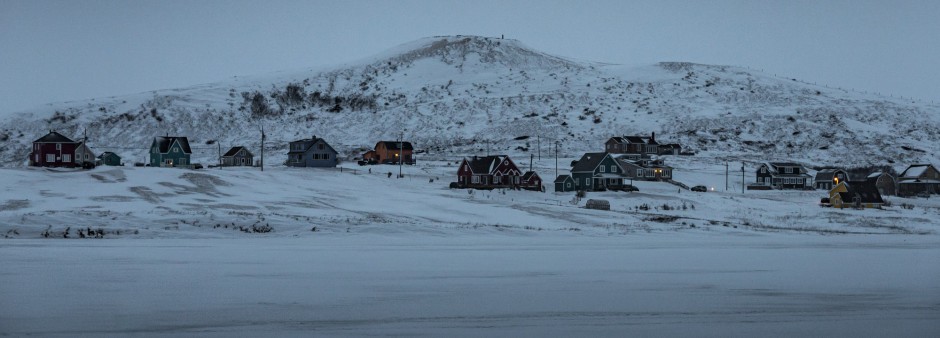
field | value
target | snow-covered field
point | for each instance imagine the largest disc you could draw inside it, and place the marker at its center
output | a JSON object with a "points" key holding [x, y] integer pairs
{"points": [[410, 257]]}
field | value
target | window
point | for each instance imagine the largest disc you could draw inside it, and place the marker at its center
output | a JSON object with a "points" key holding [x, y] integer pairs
{"points": [[789, 170], [326, 156], [50, 157], [763, 170], [176, 150], [476, 179], [66, 158], [58, 146], [760, 180], [316, 156], [667, 173], [587, 181], [613, 168], [639, 173], [37, 157], [568, 185], [320, 146], [496, 179], [603, 168]]}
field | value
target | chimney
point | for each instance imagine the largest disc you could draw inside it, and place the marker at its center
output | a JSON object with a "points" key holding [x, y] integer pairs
{"points": [[653, 137]]}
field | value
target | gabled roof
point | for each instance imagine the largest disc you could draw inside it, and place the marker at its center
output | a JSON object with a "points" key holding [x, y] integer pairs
{"points": [[617, 139], [915, 170], [54, 137], [310, 142], [640, 139], [562, 178], [528, 175], [826, 175], [164, 142], [589, 162], [866, 191], [775, 169], [486, 164], [235, 150], [106, 154], [393, 145]]}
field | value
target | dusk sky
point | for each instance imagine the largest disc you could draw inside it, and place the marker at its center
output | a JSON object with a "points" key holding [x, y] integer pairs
{"points": [[69, 50]]}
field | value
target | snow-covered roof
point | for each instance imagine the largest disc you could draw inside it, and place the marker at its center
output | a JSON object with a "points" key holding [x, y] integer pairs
{"points": [[915, 170]]}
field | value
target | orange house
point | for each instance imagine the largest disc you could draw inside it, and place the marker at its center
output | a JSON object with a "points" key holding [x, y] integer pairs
{"points": [[393, 151]]}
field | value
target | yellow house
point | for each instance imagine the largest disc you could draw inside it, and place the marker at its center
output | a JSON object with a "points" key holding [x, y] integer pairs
{"points": [[855, 194]]}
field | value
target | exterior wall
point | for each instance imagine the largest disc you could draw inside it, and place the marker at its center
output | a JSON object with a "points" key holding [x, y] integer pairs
{"points": [[566, 185], [111, 159], [386, 155], [764, 177], [53, 155], [614, 147], [175, 157], [240, 159]]}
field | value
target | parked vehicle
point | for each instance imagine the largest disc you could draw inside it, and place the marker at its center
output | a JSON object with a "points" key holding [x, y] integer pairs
{"points": [[699, 188], [625, 187]]}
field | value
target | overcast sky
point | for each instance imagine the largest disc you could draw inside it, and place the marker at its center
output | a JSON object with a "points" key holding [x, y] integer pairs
{"points": [[68, 50]]}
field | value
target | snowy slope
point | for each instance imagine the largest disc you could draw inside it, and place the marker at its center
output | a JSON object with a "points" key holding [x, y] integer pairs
{"points": [[459, 95], [161, 202]]}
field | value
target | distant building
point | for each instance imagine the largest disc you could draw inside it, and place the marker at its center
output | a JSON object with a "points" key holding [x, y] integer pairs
{"points": [[645, 145], [919, 179], [496, 171], [110, 159], [886, 183], [311, 152], [597, 172], [564, 183], [238, 157], [390, 152], [828, 178], [170, 151], [855, 194], [782, 175], [56, 150]]}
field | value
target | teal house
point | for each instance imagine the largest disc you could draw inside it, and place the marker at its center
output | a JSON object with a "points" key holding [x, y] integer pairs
{"points": [[597, 172], [109, 158], [564, 183], [170, 151]]}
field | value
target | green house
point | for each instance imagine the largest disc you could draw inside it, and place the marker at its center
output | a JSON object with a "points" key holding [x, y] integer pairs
{"points": [[597, 172], [170, 151], [109, 158], [564, 183]]}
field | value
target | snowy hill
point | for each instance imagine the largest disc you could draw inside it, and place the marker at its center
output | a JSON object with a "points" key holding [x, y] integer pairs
{"points": [[460, 95]]}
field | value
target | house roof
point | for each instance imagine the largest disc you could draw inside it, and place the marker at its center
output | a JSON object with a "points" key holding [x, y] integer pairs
{"points": [[775, 169], [106, 154], [485, 164], [310, 142], [235, 150], [164, 142], [393, 145], [54, 137], [866, 191], [562, 178], [826, 175], [528, 175], [588, 162], [915, 170]]}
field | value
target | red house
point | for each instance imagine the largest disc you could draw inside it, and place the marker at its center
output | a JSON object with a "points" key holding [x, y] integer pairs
{"points": [[497, 171], [56, 150]]}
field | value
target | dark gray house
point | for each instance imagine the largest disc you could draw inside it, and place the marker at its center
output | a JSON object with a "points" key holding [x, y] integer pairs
{"points": [[311, 152], [782, 175], [829, 178], [237, 157]]}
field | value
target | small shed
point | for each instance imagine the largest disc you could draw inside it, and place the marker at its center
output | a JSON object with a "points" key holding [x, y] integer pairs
{"points": [[597, 204], [564, 183], [109, 158]]}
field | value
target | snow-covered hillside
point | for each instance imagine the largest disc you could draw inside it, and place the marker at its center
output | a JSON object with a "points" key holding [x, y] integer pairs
{"points": [[459, 95]]}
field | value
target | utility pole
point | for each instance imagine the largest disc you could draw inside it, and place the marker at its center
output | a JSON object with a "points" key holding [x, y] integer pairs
{"points": [[742, 177], [556, 158], [401, 153], [263, 136], [726, 175], [219, 142], [531, 156], [538, 143]]}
